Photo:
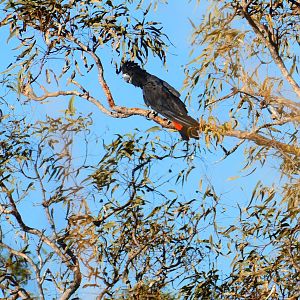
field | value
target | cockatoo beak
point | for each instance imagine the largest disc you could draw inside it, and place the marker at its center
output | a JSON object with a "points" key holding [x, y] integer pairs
{"points": [[127, 78]]}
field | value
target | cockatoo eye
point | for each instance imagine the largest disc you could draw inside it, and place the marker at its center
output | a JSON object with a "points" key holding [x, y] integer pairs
{"points": [[127, 78]]}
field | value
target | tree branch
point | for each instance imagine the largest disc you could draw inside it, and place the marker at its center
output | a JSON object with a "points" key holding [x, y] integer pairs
{"points": [[263, 141], [31, 262], [18, 292], [270, 99], [74, 284], [259, 30], [252, 136], [119, 111], [293, 106], [74, 267], [99, 65]]}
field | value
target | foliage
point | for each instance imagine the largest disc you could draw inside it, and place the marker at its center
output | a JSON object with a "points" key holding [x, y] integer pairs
{"points": [[64, 25], [247, 69], [130, 222], [13, 271], [241, 43], [249, 72]]}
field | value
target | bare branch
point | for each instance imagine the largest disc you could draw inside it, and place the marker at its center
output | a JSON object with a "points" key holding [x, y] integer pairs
{"points": [[18, 292]]}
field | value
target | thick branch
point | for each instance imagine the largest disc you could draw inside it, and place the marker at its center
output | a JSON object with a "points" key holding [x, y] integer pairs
{"points": [[117, 112], [259, 30], [28, 92], [253, 136], [263, 141], [74, 284]]}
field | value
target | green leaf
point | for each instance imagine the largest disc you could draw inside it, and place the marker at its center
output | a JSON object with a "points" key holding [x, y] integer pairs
{"points": [[71, 108], [153, 129]]}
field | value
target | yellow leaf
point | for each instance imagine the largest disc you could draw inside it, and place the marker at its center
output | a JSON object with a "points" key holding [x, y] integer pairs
{"points": [[234, 177]]}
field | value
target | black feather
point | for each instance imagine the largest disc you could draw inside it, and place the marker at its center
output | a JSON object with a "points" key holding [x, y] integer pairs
{"points": [[160, 96]]}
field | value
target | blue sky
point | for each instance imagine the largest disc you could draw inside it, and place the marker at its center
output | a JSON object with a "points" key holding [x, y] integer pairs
{"points": [[174, 18]]}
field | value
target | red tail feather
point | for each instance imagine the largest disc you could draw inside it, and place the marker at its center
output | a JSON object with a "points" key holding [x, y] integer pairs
{"points": [[187, 132], [177, 125]]}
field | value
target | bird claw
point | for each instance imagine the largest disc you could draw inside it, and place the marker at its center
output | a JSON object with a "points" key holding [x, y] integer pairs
{"points": [[152, 114]]}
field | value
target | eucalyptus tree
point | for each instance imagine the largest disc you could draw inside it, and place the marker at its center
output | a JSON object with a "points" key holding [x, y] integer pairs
{"points": [[99, 230]]}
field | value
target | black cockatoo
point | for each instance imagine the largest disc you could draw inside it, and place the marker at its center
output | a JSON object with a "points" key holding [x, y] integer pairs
{"points": [[162, 98]]}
